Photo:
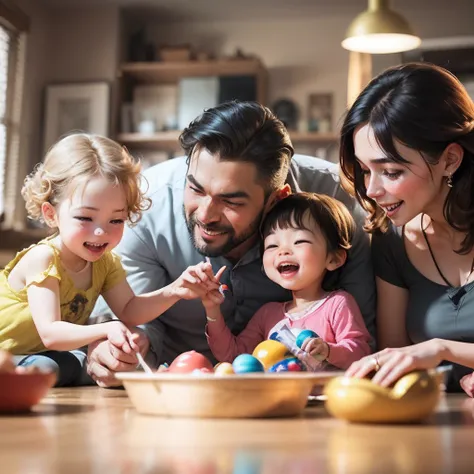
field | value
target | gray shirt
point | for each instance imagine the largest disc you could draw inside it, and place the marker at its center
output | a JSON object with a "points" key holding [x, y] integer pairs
{"points": [[158, 249], [434, 310]]}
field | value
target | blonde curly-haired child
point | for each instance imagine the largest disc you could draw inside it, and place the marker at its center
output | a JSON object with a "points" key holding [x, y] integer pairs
{"points": [[86, 189]]}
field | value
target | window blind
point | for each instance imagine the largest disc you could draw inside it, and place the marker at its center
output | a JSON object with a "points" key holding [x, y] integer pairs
{"points": [[12, 63], [4, 63]]}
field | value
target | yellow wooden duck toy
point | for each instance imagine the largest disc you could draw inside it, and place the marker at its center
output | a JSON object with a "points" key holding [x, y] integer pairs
{"points": [[411, 399]]}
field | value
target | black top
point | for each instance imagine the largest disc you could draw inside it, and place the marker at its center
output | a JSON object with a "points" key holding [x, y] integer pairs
{"points": [[434, 310]]}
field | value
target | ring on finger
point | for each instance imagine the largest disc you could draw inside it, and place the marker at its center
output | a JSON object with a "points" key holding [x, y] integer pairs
{"points": [[375, 363]]}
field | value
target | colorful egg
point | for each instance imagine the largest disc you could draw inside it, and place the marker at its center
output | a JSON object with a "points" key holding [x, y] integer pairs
{"points": [[245, 363], [303, 335], [187, 362], [269, 352], [291, 364], [224, 368]]}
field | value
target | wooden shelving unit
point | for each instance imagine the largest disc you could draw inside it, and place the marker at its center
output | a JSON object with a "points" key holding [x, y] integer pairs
{"points": [[161, 140], [131, 74], [169, 140], [314, 138], [169, 72]]}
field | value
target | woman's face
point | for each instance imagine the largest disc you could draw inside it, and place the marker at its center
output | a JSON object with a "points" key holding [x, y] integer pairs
{"points": [[402, 190]]}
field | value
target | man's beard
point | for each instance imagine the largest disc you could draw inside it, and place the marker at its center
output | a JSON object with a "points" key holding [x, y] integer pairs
{"points": [[232, 242]]}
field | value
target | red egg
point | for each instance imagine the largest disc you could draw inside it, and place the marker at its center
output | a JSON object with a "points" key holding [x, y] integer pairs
{"points": [[186, 362], [204, 370]]}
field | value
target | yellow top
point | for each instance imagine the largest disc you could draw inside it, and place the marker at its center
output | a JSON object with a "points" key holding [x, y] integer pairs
{"points": [[18, 334]]}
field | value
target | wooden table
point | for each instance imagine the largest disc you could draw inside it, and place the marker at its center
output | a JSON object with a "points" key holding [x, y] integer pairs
{"points": [[93, 430]]}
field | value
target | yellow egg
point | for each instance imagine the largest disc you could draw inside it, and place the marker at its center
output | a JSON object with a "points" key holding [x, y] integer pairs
{"points": [[270, 352], [223, 368]]}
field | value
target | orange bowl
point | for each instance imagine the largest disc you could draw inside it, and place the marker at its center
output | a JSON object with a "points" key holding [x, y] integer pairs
{"points": [[20, 392]]}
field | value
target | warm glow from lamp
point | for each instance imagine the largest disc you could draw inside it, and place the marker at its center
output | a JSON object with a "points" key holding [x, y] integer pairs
{"points": [[380, 30]]}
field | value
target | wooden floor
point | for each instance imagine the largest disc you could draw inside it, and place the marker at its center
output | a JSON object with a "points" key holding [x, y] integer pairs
{"points": [[92, 430]]}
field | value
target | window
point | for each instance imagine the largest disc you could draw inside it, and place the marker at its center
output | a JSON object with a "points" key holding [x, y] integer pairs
{"points": [[4, 56], [13, 25]]}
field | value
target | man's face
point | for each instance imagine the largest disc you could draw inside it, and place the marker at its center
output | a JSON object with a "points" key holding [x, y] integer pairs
{"points": [[223, 205]]}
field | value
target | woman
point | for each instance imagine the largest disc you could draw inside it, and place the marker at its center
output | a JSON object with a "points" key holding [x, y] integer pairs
{"points": [[407, 153]]}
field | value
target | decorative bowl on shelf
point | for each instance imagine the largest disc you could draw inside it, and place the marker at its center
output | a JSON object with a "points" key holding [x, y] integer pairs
{"points": [[252, 395]]}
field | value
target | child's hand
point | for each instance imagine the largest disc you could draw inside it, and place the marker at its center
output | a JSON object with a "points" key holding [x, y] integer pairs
{"points": [[212, 299], [467, 384], [196, 281], [120, 336], [316, 347]]}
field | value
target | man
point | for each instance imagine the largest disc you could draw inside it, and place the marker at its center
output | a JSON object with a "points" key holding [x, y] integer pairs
{"points": [[211, 203]]}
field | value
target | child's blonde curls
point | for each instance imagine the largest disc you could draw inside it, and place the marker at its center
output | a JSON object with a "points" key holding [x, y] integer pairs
{"points": [[79, 157]]}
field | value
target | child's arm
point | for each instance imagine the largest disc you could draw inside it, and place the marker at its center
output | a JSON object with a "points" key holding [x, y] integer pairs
{"points": [[351, 335], [44, 303], [134, 310], [224, 345]]}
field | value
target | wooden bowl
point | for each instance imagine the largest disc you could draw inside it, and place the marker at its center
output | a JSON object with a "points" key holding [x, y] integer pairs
{"points": [[231, 396], [19, 392], [412, 398]]}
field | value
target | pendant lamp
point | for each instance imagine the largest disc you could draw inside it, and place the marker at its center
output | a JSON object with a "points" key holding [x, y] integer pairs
{"points": [[380, 30]]}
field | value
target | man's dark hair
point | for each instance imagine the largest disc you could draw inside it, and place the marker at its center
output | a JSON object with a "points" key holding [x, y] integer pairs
{"points": [[247, 132]]}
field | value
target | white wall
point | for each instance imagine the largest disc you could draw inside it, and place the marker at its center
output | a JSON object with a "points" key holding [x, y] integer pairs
{"points": [[36, 76], [304, 55], [84, 44], [64, 45]]}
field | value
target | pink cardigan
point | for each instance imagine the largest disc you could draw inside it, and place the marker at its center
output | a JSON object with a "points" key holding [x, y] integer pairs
{"points": [[337, 320]]}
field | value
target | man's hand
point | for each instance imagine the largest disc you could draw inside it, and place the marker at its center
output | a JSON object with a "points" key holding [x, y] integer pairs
{"points": [[104, 359], [467, 384]]}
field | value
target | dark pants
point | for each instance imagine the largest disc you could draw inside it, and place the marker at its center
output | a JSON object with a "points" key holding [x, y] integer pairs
{"points": [[70, 367]]}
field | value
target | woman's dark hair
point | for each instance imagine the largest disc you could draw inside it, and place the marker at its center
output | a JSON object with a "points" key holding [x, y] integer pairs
{"points": [[331, 215], [426, 108], [243, 131]]}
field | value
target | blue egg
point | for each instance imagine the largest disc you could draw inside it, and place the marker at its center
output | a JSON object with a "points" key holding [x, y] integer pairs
{"points": [[245, 363], [291, 364], [303, 335], [247, 463]]}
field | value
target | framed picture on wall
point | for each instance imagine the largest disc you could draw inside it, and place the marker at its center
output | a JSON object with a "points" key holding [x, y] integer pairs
{"points": [[70, 108], [320, 112]]}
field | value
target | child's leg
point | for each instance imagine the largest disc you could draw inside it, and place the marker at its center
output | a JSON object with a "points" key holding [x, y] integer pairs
{"points": [[70, 367]]}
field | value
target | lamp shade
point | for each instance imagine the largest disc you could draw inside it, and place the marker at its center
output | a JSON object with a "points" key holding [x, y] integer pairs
{"points": [[380, 30]]}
